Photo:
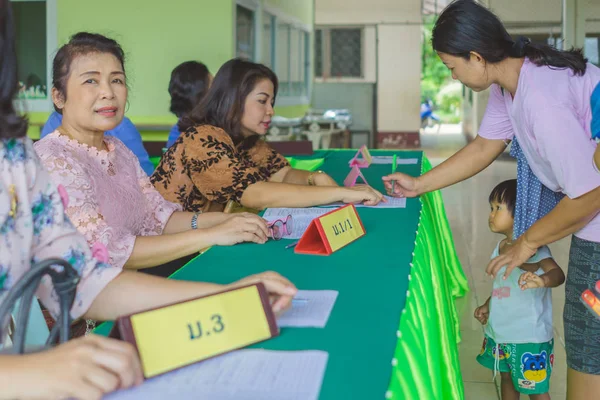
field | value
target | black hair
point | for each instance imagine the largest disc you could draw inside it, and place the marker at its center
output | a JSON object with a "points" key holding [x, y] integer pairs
{"points": [[506, 193], [80, 44], [223, 105], [188, 85], [466, 26], [12, 125]]}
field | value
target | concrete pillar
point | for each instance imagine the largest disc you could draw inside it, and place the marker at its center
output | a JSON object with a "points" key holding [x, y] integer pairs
{"points": [[398, 85], [573, 23]]}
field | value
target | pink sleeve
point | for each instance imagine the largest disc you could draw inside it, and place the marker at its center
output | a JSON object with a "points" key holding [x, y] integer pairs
{"points": [[564, 144], [159, 210], [496, 123], [58, 238], [83, 210]]}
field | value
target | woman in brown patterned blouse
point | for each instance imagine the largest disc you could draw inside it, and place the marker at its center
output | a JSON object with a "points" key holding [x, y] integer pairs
{"points": [[220, 155]]}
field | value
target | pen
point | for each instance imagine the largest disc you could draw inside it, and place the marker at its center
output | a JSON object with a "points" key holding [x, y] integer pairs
{"points": [[289, 246], [394, 165]]}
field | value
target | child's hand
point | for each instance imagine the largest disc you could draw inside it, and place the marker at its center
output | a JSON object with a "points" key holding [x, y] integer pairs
{"points": [[482, 313], [529, 280]]}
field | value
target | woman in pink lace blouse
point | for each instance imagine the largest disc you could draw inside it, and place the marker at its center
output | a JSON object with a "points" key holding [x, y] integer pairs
{"points": [[111, 200], [33, 226]]}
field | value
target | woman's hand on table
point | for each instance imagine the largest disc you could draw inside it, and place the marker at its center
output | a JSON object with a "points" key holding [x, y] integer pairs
{"points": [[404, 186], [238, 228], [362, 194], [517, 254], [281, 291], [84, 368]]}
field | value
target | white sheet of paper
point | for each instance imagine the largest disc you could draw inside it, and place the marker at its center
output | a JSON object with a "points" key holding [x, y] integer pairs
{"points": [[390, 160], [310, 308], [301, 218], [250, 374], [392, 202]]}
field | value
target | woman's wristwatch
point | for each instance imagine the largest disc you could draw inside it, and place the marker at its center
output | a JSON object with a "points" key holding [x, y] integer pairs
{"points": [[311, 177], [195, 220]]}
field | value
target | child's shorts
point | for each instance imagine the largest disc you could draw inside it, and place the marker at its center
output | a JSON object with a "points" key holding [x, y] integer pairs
{"points": [[529, 364]]}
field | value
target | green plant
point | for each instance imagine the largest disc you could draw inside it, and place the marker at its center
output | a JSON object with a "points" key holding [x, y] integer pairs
{"points": [[435, 75]]}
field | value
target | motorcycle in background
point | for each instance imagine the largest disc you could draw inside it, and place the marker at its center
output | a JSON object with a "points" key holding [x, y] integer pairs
{"points": [[428, 118]]}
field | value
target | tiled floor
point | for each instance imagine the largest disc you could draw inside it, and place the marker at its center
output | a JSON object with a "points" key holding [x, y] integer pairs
{"points": [[467, 210]]}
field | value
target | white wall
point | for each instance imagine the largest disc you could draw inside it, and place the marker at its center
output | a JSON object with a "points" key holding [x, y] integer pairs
{"points": [[392, 49], [593, 19], [340, 12], [513, 11], [399, 83], [536, 16]]}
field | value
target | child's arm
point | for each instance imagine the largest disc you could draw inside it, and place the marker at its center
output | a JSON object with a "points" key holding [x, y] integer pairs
{"points": [[553, 276], [482, 312]]}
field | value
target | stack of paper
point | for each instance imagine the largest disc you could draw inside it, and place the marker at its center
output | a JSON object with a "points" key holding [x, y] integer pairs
{"points": [[390, 160], [392, 202], [301, 218], [240, 375], [310, 308]]}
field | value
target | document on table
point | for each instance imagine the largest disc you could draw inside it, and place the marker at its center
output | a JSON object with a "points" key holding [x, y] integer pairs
{"points": [[250, 374], [390, 160], [310, 308], [301, 218], [392, 202]]}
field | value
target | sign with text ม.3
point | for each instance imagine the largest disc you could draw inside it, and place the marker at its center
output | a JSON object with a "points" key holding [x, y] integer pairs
{"points": [[181, 334]]}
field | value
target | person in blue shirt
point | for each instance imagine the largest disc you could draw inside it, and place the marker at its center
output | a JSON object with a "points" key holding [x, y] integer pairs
{"points": [[126, 132], [595, 103], [189, 83]]}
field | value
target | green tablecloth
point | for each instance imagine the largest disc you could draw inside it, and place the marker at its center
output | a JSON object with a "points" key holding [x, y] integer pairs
{"points": [[394, 329]]}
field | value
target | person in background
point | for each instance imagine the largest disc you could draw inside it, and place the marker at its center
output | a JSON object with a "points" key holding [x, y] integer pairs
{"points": [[221, 156], [595, 103], [188, 85]]}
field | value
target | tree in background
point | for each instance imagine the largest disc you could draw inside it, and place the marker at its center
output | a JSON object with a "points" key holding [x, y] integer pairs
{"points": [[435, 76]]}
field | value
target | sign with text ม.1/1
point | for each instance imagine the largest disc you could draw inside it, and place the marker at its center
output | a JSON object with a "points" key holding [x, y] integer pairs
{"points": [[332, 231], [181, 334]]}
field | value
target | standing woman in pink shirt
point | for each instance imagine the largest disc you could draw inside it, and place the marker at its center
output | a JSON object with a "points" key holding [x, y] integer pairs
{"points": [[539, 100]]}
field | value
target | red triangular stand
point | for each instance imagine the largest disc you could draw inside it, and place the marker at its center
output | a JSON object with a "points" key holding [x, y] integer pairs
{"points": [[313, 240]]}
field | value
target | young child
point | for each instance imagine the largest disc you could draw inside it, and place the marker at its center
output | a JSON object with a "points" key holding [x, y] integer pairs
{"points": [[518, 316]]}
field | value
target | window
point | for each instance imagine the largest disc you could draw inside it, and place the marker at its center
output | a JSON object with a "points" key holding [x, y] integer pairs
{"points": [[285, 48], [319, 53], [592, 49], [283, 58], [297, 63], [267, 40], [345, 56], [30, 21], [244, 28]]}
